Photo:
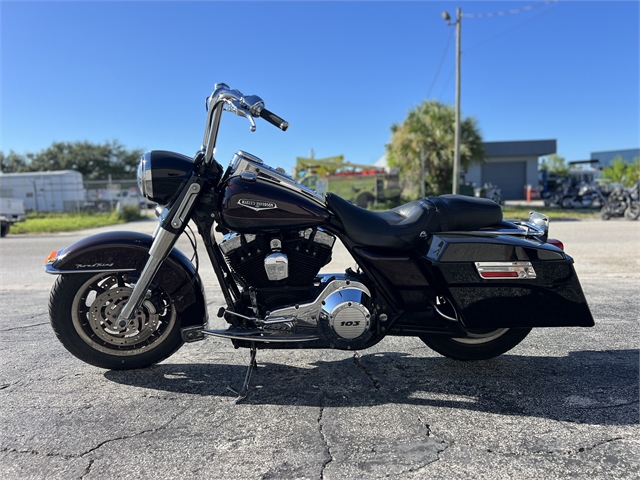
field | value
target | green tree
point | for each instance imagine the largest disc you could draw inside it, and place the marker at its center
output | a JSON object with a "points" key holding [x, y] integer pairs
{"points": [[13, 163], [555, 164], [622, 172], [431, 127], [94, 161]]}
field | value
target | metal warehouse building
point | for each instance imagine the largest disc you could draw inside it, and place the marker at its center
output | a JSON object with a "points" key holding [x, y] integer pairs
{"points": [[511, 166]]}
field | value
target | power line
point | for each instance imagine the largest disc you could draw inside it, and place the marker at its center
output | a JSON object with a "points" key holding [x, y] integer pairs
{"points": [[508, 12], [444, 54], [446, 83], [504, 32]]}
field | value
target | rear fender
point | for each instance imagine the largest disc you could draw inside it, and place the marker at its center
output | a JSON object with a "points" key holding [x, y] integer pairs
{"points": [[129, 252]]}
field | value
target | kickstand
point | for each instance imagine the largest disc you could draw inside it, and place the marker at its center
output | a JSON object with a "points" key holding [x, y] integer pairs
{"points": [[244, 391]]}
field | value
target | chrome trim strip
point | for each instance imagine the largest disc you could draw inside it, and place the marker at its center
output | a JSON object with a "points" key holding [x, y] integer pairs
{"points": [[54, 271], [523, 270], [261, 336], [492, 233]]}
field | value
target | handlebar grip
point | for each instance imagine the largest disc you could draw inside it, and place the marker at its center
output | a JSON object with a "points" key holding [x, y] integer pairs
{"points": [[274, 119]]}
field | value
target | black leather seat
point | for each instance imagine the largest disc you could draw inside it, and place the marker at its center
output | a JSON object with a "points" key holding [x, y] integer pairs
{"points": [[400, 227]]}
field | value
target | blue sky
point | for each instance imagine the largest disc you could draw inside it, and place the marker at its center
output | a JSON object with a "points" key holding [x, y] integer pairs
{"points": [[340, 72]]}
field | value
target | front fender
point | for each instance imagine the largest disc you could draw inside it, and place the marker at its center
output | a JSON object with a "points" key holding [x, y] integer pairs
{"points": [[128, 252]]}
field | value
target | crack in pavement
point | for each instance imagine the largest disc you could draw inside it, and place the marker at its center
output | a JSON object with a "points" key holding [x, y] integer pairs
{"points": [[604, 442], [329, 456], [87, 470], [428, 434], [23, 327], [357, 359], [546, 452], [127, 437], [601, 407]]}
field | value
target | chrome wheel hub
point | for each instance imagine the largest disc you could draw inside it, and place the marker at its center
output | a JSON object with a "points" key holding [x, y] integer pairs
{"points": [[103, 318]]}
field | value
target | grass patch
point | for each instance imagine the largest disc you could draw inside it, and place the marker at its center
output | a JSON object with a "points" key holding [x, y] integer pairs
{"points": [[69, 222], [522, 213], [519, 212]]}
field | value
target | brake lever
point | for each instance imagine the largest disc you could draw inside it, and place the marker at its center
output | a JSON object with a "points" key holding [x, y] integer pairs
{"points": [[239, 110]]}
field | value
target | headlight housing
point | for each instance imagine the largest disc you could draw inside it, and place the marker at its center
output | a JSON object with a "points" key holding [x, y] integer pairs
{"points": [[162, 175]]}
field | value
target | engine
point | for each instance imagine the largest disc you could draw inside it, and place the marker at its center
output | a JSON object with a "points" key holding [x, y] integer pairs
{"points": [[281, 266]]}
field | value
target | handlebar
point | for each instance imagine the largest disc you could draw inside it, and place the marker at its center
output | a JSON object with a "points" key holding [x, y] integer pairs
{"points": [[248, 106], [274, 119]]}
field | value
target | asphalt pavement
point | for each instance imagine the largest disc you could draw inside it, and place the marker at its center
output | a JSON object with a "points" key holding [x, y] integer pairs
{"points": [[562, 404]]}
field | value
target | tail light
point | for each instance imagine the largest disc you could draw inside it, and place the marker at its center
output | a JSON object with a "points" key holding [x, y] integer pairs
{"points": [[556, 243]]}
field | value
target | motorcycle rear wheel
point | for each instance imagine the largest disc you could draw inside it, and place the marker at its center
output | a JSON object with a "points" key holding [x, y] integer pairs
{"points": [[83, 309], [632, 212], [481, 344]]}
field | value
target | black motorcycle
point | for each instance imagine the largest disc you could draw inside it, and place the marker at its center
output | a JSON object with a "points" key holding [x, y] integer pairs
{"points": [[582, 196], [622, 202], [446, 269]]}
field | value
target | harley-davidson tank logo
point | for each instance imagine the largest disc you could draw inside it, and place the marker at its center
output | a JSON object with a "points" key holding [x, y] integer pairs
{"points": [[256, 205]]}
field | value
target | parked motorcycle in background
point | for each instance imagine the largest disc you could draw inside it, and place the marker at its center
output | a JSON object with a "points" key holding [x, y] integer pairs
{"points": [[448, 270], [622, 202], [490, 191]]}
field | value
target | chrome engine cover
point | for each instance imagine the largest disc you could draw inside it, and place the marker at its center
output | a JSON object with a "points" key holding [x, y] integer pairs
{"points": [[346, 312], [342, 315]]}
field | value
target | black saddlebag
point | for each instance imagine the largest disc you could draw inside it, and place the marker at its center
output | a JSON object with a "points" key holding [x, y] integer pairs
{"points": [[506, 281]]}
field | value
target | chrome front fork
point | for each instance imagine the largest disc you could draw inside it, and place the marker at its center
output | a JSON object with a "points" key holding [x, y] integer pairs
{"points": [[163, 242]]}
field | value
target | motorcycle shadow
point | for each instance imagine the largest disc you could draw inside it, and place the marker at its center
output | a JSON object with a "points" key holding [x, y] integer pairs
{"points": [[592, 387]]}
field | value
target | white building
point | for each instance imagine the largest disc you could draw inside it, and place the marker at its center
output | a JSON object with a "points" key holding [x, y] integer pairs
{"points": [[59, 191]]}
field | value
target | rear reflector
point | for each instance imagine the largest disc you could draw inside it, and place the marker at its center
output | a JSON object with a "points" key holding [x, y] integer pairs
{"points": [[505, 270], [498, 274]]}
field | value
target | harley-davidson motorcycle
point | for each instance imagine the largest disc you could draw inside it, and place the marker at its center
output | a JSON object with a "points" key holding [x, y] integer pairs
{"points": [[446, 269]]}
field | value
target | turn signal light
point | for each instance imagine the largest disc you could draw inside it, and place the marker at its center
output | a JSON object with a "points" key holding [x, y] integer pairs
{"points": [[52, 256], [556, 243]]}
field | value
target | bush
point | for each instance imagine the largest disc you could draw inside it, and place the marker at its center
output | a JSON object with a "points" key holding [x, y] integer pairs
{"points": [[130, 214]]}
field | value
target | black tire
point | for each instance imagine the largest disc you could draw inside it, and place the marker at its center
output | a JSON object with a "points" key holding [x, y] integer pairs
{"points": [[567, 202], [632, 212], [480, 345], [605, 213], [83, 308], [4, 229]]}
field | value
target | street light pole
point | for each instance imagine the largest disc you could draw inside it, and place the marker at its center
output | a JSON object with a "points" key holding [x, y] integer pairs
{"points": [[456, 159], [456, 148]]}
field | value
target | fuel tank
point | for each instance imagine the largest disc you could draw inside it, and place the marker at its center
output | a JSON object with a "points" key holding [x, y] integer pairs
{"points": [[257, 197], [251, 204]]}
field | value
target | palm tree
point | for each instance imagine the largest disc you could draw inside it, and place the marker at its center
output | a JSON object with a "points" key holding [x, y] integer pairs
{"points": [[431, 127]]}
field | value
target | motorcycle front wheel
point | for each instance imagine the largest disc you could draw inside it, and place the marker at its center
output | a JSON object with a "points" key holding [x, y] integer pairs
{"points": [[481, 344], [84, 309]]}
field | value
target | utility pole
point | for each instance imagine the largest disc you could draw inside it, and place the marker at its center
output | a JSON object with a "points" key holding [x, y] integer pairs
{"points": [[422, 161], [456, 148]]}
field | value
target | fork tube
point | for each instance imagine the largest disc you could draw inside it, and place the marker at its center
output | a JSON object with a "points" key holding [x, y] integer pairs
{"points": [[162, 245]]}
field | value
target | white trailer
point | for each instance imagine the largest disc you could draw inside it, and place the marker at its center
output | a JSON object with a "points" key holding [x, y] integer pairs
{"points": [[58, 191], [11, 211]]}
